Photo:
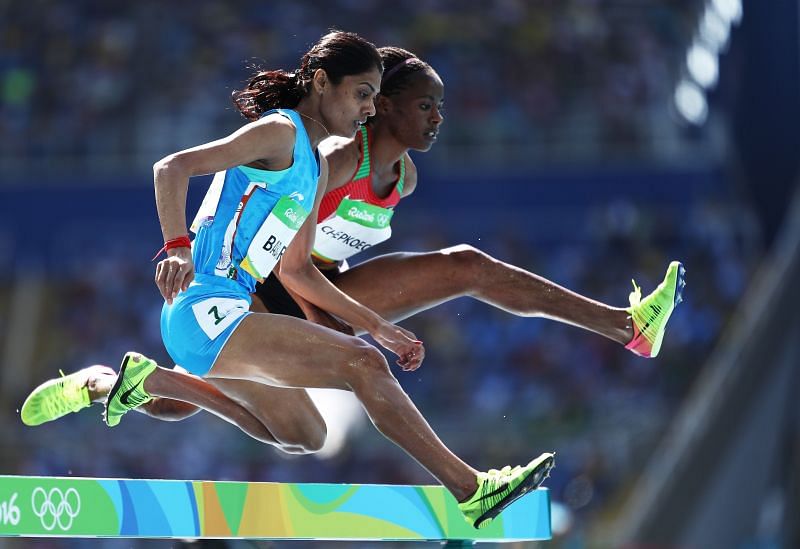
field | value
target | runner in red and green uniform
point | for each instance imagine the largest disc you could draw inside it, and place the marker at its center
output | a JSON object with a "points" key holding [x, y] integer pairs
{"points": [[371, 173]]}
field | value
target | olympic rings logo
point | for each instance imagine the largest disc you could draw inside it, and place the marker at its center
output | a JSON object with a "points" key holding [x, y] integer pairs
{"points": [[56, 508]]}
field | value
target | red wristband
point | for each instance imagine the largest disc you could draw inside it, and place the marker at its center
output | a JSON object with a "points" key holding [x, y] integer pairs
{"points": [[179, 242]]}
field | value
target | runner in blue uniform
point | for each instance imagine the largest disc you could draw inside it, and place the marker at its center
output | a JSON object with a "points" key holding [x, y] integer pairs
{"points": [[270, 180]]}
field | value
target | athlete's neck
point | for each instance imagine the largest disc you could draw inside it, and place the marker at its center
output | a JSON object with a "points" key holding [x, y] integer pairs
{"points": [[385, 151], [312, 120]]}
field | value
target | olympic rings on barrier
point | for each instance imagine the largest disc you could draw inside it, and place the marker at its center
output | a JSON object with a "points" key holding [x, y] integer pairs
{"points": [[56, 507]]}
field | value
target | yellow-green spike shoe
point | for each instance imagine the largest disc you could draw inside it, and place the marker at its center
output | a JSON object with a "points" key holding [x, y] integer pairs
{"points": [[499, 489], [650, 315], [128, 392], [56, 398]]}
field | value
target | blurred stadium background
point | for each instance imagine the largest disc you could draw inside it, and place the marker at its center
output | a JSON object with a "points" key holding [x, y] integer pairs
{"points": [[590, 141]]}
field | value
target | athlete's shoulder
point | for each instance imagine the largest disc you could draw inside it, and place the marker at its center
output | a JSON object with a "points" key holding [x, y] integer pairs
{"points": [[277, 132], [276, 122], [343, 156], [410, 181]]}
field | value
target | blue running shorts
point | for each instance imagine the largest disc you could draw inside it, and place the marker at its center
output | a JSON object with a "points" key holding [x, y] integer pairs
{"points": [[197, 325]]}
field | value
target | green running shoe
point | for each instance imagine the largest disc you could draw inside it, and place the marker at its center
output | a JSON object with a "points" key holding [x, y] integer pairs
{"points": [[650, 315], [498, 489], [128, 392], [56, 398]]}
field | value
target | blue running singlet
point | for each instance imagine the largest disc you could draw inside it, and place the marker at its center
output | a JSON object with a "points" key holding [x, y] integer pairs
{"points": [[245, 223]]}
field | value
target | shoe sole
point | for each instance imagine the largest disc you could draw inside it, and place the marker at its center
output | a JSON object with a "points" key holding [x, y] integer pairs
{"points": [[531, 482], [115, 389], [680, 284], [36, 396]]}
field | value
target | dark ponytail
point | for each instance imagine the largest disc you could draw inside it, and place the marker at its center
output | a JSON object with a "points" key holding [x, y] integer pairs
{"points": [[268, 90], [338, 53], [399, 67]]}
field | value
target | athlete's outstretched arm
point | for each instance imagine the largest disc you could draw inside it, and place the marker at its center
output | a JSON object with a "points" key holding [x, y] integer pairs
{"points": [[299, 275], [342, 156], [312, 312]]}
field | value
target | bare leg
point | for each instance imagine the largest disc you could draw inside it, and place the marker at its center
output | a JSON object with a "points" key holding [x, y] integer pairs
{"points": [[286, 418], [400, 285], [101, 379], [287, 352], [289, 414], [397, 286]]}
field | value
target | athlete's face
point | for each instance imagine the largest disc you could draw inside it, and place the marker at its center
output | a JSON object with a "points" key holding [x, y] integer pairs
{"points": [[348, 104], [416, 112]]}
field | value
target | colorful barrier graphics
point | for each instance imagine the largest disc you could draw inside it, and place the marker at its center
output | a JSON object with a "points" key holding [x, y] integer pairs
{"points": [[85, 507]]}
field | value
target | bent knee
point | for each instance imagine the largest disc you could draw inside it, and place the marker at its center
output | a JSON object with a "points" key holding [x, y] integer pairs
{"points": [[467, 262], [367, 360], [306, 437], [467, 266], [464, 255], [313, 439]]}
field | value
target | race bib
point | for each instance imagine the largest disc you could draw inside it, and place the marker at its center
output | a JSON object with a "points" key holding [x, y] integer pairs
{"points": [[273, 237], [215, 314], [354, 227]]}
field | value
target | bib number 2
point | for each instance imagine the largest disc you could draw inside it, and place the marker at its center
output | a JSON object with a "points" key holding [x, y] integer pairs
{"points": [[215, 314], [214, 311]]}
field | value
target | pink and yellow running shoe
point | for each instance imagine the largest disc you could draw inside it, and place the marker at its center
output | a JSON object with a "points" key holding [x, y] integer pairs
{"points": [[650, 315]]}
